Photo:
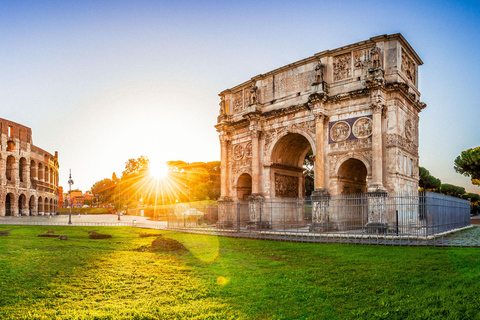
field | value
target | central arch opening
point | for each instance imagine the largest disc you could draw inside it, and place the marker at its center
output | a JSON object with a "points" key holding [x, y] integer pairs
{"points": [[287, 169]]}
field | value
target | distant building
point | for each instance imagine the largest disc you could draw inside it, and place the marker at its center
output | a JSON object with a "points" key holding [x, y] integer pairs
{"points": [[60, 197], [28, 174]]}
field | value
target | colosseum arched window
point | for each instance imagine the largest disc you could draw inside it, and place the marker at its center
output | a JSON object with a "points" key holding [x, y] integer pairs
{"points": [[40, 171], [10, 146], [46, 174], [10, 168], [33, 170], [22, 172]]}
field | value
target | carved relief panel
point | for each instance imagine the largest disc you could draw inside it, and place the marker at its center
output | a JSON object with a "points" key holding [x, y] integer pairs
{"points": [[237, 102], [340, 131], [362, 128], [341, 67], [350, 129], [408, 66], [360, 62], [238, 152], [286, 186]]}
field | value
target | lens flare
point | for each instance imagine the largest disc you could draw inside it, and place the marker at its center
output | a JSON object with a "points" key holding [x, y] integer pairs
{"points": [[158, 170]]}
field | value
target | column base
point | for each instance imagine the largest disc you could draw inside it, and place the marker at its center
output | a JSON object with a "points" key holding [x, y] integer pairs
{"points": [[224, 199], [377, 188], [256, 196], [319, 193]]}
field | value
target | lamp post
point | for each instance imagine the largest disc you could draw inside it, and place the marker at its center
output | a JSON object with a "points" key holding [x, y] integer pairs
{"points": [[70, 182], [120, 199]]}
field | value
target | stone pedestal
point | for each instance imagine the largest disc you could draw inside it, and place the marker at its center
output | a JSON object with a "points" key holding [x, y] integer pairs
{"points": [[378, 217], [226, 213], [320, 217]]}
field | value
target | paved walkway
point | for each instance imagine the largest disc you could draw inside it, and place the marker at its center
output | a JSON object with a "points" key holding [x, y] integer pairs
{"points": [[465, 238], [92, 219]]}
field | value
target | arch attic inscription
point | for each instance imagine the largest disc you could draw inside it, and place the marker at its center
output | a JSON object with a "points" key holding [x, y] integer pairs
{"points": [[356, 107]]}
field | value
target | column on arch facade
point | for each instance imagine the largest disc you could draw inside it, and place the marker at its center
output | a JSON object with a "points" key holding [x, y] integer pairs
{"points": [[223, 165], [255, 162], [320, 120], [377, 150]]}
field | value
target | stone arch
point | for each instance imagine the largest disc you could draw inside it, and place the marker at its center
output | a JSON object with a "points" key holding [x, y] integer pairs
{"points": [[40, 210], [33, 170], [52, 207], [46, 206], [22, 205], [40, 171], [22, 169], [32, 206], [10, 146], [46, 172], [286, 164], [244, 186], [352, 177], [10, 169], [364, 159], [51, 176], [9, 204], [284, 133]]}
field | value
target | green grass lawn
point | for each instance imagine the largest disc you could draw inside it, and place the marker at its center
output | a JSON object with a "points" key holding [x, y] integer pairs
{"points": [[225, 278]]}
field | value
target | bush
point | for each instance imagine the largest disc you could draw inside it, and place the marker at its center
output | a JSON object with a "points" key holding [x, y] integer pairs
{"points": [[96, 235]]}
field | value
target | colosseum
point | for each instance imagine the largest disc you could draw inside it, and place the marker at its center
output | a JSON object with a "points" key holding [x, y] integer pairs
{"points": [[28, 174]]}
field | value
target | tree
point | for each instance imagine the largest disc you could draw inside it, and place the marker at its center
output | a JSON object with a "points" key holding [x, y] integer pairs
{"points": [[104, 190], [450, 189], [135, 166], [468, 164], [427, 181]]}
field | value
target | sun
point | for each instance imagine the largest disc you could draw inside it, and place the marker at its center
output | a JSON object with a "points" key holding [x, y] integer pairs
{"points": [[158, 170]]}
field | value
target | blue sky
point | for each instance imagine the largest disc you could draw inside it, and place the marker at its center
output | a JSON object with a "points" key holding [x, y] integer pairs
{"points": [[105, 81]]}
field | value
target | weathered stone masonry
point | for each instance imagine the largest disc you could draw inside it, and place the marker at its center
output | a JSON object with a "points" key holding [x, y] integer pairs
{"points": [[356, 107], [28, 174]]}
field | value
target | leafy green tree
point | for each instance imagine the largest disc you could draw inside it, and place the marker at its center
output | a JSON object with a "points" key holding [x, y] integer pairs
{"points": [[104, 190], [450, 189], [473, 197], [468, 164], [427, 181]]}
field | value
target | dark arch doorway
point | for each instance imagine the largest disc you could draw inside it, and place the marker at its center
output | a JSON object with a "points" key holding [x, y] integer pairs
{"points": [[287, 169], [21, 204], [31, 206], [244, 186], [9, 205], [353, 184], [352, 177]]}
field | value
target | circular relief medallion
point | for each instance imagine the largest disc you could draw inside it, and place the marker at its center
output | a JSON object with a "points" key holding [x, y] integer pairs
{"points": [[362, 128], [238, 152], [408, 129], [248, 150], [340, 131]]}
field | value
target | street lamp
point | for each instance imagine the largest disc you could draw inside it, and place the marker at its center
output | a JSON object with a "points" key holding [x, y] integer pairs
{"points": [[70, 182]]}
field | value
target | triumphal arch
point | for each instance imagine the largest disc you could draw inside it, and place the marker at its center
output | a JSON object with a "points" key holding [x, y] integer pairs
{"points": [[355, 107]]}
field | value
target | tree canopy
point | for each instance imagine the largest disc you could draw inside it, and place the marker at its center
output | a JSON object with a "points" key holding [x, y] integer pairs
{"points": [[427, 181], [468, 164]]}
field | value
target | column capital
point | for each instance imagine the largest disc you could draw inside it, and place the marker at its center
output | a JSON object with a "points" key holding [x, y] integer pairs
{"points": [[255, 133], [321, 117], [316, 99], [377, 108], [224, 138]]}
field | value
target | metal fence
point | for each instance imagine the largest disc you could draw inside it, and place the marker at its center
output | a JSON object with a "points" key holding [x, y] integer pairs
{"points": [[414, 214]]}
